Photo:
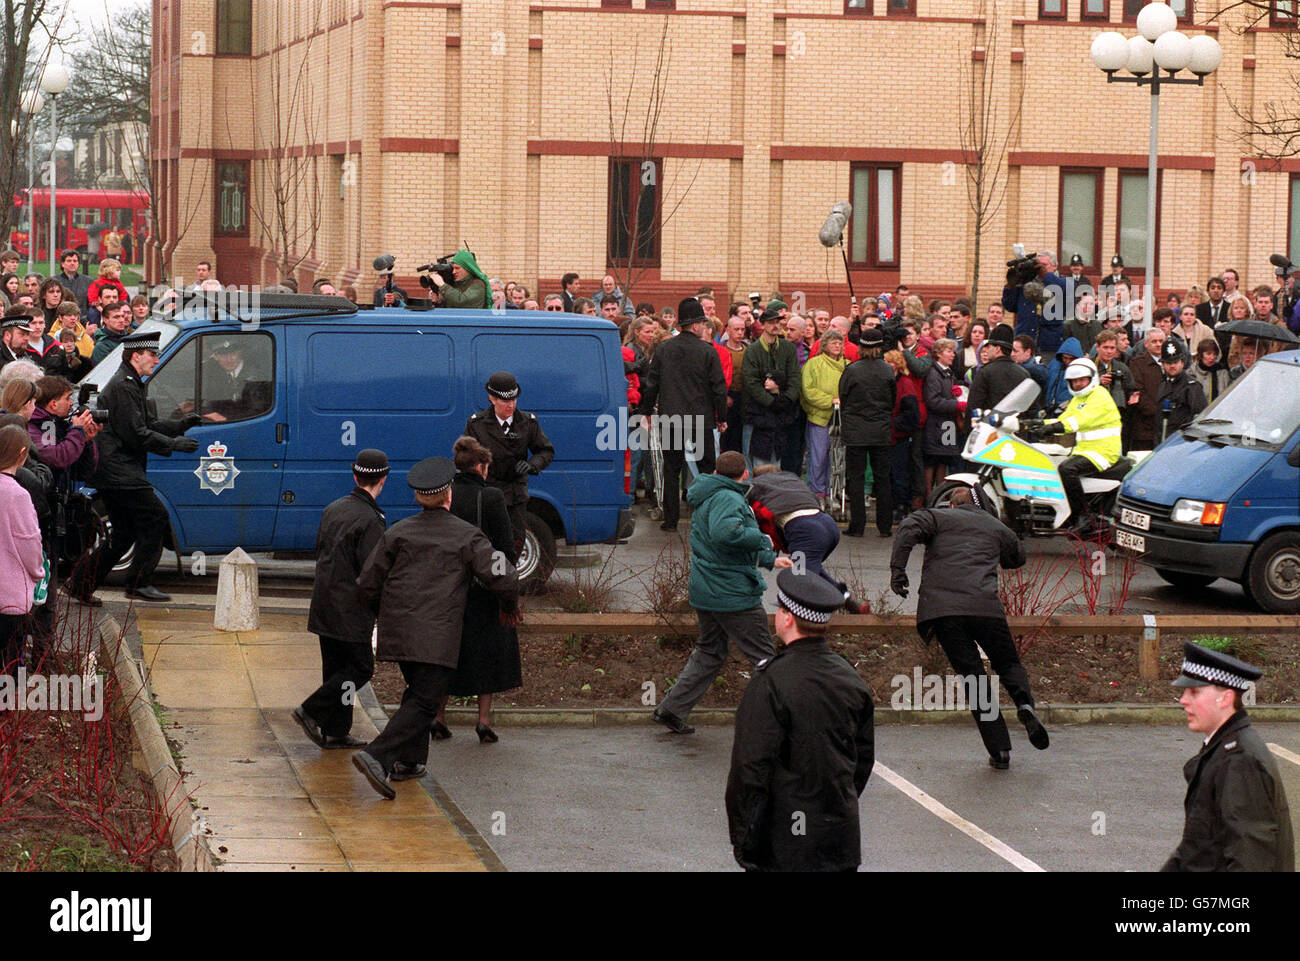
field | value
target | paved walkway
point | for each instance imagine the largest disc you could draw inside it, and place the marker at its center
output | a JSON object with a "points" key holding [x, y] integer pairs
{"points": [[273, 800]]}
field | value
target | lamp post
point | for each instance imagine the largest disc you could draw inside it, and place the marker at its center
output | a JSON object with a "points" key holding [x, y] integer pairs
{"points": [[33, 103], [54, 81], [1159, 47]]}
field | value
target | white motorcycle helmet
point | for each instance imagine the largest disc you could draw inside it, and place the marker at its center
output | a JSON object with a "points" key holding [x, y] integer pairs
{"points": [[1081, 367]]}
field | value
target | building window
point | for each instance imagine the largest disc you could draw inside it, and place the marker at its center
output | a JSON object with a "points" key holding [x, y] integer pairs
{"points": [[635, 204], [234, 26], [893, 8], [1095, 10], [859, 7], [1282, 13], [661, 4], [232, 199], [616, 3], [1051, 9], [1131, 226], [1293, 220], [877, 200], [1181, 7], [900, 8], [1080, 215]]}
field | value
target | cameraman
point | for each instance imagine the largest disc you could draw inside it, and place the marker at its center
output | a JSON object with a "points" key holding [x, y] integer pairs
{"points": [[131, 434], [1036, 295], [469, 286]]}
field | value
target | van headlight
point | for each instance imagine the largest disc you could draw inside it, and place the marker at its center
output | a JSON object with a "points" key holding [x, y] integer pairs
{"points": [[1187, 511]]}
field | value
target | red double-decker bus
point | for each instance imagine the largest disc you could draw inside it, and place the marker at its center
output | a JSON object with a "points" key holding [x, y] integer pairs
{"points": [[76, 213]]}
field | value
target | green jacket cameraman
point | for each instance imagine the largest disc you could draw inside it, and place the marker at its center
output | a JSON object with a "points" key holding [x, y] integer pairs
{"points": [[469, 285]]}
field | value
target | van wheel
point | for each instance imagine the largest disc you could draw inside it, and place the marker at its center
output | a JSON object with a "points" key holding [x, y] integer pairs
{"points": [[1185, 582], [1274, 574], [537, 560]]}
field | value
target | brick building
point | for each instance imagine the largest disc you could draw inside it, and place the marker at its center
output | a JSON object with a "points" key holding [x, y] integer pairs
{"points": [[344, 129]]}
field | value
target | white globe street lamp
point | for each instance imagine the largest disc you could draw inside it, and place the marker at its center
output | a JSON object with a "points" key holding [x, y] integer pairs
{"points": [[1154, 58], [54, 81]]}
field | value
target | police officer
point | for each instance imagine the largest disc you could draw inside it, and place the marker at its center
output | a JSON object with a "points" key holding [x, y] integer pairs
{"points": [[517, 443], [1180, 398], [1116, 274], [1079, 278], [804, 744], [350, 528], [959, 604], [1237, 816], [417, 580], [129, 437]]}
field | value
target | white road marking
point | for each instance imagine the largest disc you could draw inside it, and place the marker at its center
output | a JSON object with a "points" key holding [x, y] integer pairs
{"points": [[1283, 753], [944, 813]]}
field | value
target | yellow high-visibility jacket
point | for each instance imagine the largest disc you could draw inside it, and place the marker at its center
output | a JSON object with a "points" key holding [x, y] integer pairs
{"points": [[1094, 420]]}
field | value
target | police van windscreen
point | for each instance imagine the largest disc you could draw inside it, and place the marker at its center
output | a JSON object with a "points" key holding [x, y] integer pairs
{"points": [[1262, 408]]}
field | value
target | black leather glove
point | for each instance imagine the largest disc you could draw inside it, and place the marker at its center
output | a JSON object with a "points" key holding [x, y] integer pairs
{"points": [[898, 583], [523, 469], [190, 420], [184, 445], [1054, 428]]}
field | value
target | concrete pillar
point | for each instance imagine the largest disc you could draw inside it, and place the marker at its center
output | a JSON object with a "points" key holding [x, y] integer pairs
{"points": [[237, 605]]}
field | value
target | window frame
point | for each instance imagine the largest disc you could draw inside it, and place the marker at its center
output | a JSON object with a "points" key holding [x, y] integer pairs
{"points": [[196, 385], [862, 11], [909, 12], [1188, 18], [1284, 20], [1138, 270], [224, 6], [634, 200], [1099, 199], [1045, 14], [872, 259], [1291, 221], [217, 230], [1103, 15]]}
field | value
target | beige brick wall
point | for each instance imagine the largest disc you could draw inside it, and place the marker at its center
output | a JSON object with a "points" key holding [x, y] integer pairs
{"points": [[884, 84]]}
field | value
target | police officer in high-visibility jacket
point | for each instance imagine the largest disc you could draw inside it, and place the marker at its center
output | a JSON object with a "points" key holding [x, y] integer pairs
{"points": [[1093, 418]]}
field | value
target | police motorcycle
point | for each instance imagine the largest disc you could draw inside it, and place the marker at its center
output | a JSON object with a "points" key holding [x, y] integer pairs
{"points": [[1017, 477]]}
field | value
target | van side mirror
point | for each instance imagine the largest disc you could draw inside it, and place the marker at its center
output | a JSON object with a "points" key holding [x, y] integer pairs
{"points": [[1293, 458]]}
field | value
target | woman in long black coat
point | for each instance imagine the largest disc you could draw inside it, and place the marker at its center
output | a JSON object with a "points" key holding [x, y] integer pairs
{"points": [[489, 651], [942, 447]]}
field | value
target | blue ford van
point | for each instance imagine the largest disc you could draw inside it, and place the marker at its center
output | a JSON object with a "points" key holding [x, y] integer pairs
{"points": [[296, 385], [1222, 497]]}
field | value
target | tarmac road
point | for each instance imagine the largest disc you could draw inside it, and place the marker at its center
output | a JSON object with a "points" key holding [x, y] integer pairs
{"points": [[1101, 798]]}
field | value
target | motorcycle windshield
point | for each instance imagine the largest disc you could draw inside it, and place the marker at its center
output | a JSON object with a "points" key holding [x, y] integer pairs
{"points": [[1020, 399]]}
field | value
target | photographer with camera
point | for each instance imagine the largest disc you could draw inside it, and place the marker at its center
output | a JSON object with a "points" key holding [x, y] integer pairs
{"points": [[130, 435], [1036, 295], [389, 294], [457, 281]]}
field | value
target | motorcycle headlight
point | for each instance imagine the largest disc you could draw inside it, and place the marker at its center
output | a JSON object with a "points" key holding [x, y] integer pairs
{"points": [[1187, 511]]}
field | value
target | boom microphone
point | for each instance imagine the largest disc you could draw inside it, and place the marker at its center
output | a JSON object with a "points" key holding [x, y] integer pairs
{"points": [[384, 263], [836, 221]]}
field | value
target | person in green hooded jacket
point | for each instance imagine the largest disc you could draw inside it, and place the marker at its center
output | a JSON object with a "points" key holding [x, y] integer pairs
{"points": [[469, 286], [726, 589]]}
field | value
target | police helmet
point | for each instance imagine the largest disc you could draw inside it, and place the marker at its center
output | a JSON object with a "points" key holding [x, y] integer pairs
{"points": [[1081, 367]]}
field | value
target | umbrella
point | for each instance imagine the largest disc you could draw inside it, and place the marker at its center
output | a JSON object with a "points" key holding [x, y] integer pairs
{"points": [[1260, 330]]}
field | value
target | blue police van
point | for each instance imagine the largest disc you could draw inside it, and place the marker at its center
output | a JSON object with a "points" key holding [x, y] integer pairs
{"points": [[1222, 497], [293, 386]]}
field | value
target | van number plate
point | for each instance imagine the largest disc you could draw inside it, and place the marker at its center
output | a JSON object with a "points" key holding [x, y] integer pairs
{"points": [[1135, 519], [1131, 541]]}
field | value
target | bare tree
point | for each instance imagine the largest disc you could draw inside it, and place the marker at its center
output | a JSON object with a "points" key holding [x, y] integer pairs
{"points": [[1273, 127], [634, 169], [986, 127], [288, 197], [19, 74]]}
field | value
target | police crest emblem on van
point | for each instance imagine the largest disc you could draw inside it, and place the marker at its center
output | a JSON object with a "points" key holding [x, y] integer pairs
{"points": [[216, 472]]}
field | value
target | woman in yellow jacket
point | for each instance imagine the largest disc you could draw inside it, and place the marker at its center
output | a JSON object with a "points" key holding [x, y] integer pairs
{"points": [[819, 397]]}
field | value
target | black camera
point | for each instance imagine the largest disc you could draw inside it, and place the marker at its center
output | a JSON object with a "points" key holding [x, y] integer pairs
{"points": [[83, 404], [442, 267], [1022, 270]]}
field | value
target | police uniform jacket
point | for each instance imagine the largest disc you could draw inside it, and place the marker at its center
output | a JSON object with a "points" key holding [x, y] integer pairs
{"points": [[526, 442], [965, 546], [132, 433], [685, 379], [417, 578], [349, 530], [999, 377], [867, 396], [1179, 400], [1237, 816], [803, 751]]}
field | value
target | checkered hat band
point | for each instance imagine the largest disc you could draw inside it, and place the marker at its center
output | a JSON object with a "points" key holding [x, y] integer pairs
{"points": [[1215, 675], [801, 612], [358, 469], [504, 394], [433, 490]]}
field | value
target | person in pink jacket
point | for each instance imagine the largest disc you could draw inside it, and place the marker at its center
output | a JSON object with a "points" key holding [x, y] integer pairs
{"points": [[21, 561]]}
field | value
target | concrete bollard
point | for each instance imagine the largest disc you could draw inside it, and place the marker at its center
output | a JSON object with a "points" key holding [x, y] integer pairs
{"points": [[237, 604]]}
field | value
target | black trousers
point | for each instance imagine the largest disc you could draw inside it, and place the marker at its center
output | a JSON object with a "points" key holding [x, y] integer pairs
{"points": [[958, 637], [13, 633], [792, 447], [734, 436], [855, 465], [406, 736], [1073, 470], [674, 464], [345, 667], [518, 524], [138, 517]]}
